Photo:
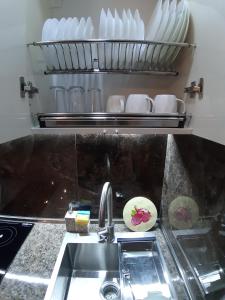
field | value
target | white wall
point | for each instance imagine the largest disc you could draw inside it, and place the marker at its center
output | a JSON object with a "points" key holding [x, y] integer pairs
{"points": [[15, 27]]}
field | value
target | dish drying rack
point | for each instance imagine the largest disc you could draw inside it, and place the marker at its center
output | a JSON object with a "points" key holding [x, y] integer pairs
{"points": [[110, 56]]}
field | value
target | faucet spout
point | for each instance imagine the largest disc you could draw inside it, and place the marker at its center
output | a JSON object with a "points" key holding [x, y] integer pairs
{"points": [[106, 200]]}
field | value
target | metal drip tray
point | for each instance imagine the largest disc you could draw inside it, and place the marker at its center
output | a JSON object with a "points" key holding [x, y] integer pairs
{"points": [[151, 120]]}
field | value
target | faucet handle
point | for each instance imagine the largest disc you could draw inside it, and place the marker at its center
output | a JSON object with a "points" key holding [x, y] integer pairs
{"points": [[107, 234], [103, 235]]}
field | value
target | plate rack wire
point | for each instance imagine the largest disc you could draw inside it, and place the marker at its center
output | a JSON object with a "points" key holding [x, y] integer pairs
{"points": [[110, 56]]}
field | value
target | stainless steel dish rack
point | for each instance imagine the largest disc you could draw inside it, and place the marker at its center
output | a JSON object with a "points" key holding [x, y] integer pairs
{"points": [[110, 56], [106, 120]]}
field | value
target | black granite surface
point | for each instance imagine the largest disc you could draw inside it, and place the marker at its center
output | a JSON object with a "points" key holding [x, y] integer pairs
{"points": [[37, 175], [134, 164], [195, 167], [41, 174]]}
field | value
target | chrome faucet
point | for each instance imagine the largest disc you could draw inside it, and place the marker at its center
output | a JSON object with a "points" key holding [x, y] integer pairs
{"points": [[107, 234]]}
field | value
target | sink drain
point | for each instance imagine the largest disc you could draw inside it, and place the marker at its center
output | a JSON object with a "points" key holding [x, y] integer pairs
{"points": [[110, 291]]}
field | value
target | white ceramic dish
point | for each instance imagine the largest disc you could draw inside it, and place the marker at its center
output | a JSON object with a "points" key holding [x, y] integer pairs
{"points": [[164, 21], [67, 29], [161, 31], [172, 21], [102, 32], [183, 33], [181, 30], [102, 35], [140, 214], [154, 23], [45, 29]]}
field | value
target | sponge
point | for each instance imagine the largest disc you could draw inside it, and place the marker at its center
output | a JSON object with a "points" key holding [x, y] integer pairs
{"points": [[82, 221]]}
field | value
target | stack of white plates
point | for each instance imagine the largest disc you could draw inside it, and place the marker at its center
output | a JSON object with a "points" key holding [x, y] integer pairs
{"points": [[67, 29], [127, 26], [169, 23]]}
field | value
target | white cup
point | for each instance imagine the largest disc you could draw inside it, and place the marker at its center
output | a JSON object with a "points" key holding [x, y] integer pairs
{"points": [[115, 104], [167, 104], [139, 103]]}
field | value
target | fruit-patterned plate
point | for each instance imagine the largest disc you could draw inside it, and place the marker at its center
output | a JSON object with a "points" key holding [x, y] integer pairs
{"points": [[183, 212], [140, 214]]}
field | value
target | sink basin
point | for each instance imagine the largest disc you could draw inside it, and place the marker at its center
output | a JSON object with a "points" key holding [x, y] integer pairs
{"points": [[129, 269], [88, 271]]}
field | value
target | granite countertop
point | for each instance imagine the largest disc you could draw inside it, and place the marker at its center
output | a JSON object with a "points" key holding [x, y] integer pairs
{"points": [[30, 272]]}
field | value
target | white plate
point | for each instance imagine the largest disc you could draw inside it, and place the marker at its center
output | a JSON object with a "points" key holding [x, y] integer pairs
{"points": [[118, 34], [88, 29], [110, 25], [164, 20], [161, 31], [49, 32], [124, 50], [117, 25], [169, 29], [73, 28], [61, 29], [102, 31], [44, 36], [60, 36], [102, 35], [140, 32], [125, 25], [154, 23], [72, 36], [67, 28], [88, 34], [181, 33], [172, 22], [80, 36], [53, 29], [110, 35], [140, 214], [80, 29]]}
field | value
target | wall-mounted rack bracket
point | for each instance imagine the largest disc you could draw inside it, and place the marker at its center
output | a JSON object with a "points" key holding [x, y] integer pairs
{"points": [[27, 88], [195, 88]]}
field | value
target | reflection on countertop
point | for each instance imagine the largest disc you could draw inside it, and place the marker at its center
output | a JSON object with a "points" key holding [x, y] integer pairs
{"points": [[30, 272]]}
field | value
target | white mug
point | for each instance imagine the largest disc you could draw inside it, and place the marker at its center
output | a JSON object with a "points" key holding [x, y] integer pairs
{"points": [[167, 104], [139, 103], [115, 104]]}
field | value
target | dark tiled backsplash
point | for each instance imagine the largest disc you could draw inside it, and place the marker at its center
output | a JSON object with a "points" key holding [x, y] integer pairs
{"points": [[41, 174]]}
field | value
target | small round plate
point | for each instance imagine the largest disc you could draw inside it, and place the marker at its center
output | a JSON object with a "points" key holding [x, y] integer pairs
{"points": [[140, 214], [183, 212]]}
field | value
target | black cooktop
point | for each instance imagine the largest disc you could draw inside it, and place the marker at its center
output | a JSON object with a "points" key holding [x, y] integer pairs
{"points": [[12, 236]]}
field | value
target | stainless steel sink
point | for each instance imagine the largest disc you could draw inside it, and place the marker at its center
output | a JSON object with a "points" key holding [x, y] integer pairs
{"points": [[88, 271], [128, 269]]}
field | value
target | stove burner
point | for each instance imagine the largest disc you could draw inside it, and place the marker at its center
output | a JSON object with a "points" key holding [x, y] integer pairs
{"points": [[12, 236], [7, 235]]}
